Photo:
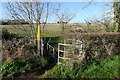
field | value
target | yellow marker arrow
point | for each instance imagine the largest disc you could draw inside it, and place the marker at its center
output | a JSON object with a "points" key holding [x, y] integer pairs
{"points": [[44, 33], [38, 33]]}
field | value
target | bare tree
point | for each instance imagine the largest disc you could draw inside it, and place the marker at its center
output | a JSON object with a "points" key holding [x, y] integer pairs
{"points": [[32, 12], [100, 24], [116, 7], [64, 17], [117, 15]]}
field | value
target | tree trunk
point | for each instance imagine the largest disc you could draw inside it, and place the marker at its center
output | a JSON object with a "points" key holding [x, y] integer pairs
{"points": [[116, 16]]}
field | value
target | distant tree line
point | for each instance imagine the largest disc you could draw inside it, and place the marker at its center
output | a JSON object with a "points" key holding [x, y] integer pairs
{"points": [[13, 22], [62, 22]]}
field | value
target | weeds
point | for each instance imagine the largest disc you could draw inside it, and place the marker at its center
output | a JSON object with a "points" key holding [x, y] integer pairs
{"points": [[20, 66], [104, 68]]}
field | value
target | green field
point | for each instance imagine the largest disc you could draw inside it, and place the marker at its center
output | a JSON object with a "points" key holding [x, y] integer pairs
{"points": [[54, 30], [50, 29]]}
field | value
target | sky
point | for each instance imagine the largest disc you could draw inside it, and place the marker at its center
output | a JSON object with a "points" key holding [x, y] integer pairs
{"points": [[94, 10], [84, 12]]}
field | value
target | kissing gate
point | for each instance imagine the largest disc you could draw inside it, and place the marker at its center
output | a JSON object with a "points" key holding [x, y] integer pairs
{"points": [[71, 50]]}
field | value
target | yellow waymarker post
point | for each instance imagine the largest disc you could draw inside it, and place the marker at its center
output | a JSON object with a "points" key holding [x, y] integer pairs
{"points": [[38, 40], [38, 33]]}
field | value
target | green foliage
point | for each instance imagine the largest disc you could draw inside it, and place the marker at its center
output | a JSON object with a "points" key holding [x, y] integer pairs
{"points": [[12, 68], [54, 40], [51, 59], [7, 35], [104, 68]]}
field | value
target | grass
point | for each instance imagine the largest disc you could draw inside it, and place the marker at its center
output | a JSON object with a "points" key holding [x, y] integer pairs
{"points": [[16, 67], [51, 30], [54, 30], [104, 68]]}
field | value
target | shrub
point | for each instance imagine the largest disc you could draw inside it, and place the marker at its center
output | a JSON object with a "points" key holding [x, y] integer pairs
{"points": [[7, 35], [16, 67], [98, 45], [18, 48]]}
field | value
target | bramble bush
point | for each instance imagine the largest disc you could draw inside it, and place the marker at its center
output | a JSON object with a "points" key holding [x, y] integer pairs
{"points": [[98, 45], [18, 48]]}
